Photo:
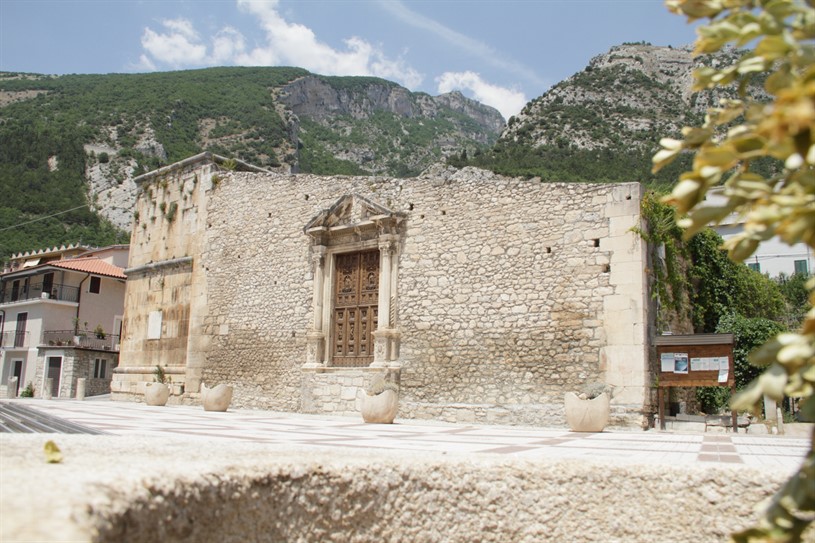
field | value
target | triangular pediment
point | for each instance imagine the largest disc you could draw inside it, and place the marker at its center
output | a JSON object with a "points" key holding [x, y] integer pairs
{"points": [[349, 211]]}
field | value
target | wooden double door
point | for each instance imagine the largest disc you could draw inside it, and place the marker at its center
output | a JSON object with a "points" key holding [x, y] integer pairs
{"points": [[356, 302]]}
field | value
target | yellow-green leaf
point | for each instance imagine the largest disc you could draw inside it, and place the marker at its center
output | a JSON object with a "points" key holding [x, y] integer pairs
{"points": [[694, 137], [778, 81], [765, 355], [748, 146], [773, 381], [686, 194], [797, 352], [695, 9], [663, 158], [701, 217], [747, 398], [773, 46], [752, 65], [720, 157], [749, 32], [740, 249], [52, 453]]}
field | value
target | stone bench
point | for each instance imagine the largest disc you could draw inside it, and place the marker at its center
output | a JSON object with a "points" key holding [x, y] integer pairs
{"points": [[726, 421]]}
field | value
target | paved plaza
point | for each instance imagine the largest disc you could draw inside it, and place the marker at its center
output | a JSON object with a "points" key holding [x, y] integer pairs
{"points": [[530, 443], [178, 473]]}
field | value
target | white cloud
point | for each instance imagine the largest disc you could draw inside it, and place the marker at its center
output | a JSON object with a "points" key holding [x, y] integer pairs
{"points": [[179, 46], [228, 45], [296, 45], [286, 43], [509, 102], [144, 64], [472, 46]]}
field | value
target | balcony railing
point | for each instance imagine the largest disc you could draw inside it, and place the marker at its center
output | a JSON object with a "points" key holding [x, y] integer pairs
{"points": [[34, 291], [84, 339], [11, 339]]}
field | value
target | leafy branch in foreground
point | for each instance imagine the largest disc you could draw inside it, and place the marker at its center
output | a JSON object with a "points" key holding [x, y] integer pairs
{"points": [[733, 138]]}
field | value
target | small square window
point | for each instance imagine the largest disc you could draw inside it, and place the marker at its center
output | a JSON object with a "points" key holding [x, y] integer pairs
{"points": [[96, 285], [755, 266], [802, 267]]}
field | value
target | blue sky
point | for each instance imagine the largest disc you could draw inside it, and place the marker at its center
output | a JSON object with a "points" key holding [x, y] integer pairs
{"points": [[500, 53]]}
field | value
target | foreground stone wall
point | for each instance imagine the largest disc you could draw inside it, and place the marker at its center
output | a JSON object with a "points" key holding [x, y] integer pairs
{"points": [[238, 491]]}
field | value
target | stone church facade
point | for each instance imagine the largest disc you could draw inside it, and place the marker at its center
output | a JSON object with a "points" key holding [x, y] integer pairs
{"points": [[485, 297]]}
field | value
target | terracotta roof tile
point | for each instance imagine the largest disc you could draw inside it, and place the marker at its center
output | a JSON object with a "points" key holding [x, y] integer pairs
{"points": [[90, 265]]}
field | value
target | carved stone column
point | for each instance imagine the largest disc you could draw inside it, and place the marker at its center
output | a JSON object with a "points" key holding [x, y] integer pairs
{"points": [[383, 333], [315, 338]]}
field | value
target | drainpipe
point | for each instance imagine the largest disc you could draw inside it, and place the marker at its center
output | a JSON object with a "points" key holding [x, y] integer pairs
{"points": [[78, 304]]}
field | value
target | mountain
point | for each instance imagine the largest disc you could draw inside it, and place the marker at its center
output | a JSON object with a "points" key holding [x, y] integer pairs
{"points": [[369, 126], [604, 123], [70, 140]]}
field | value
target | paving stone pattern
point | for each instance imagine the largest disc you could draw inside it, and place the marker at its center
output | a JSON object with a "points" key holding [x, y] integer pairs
{"points": [[627, 447]]}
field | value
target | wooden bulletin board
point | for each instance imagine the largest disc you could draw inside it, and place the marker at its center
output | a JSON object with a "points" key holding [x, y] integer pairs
{"points": [[698, 360]]}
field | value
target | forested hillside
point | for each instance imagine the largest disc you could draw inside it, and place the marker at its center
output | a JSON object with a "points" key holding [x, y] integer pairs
{"points": [[44, 196], [79, 140], [74, 140]]}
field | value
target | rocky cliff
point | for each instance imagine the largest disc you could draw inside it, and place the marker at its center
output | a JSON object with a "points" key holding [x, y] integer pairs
{"points": [[632, 95], [626, 96], [322, 99], [379, 126], [605, 122]]}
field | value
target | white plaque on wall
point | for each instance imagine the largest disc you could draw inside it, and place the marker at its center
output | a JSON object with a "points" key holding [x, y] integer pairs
{"points": [[154, 325]]}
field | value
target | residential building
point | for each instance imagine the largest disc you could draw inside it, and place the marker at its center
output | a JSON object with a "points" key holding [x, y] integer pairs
{"points": [[773, 256], [60, 319]]}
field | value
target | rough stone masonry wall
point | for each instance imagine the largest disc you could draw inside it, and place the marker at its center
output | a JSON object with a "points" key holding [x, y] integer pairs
{"points": [[337, 391], [83, 364], [76, 364], [230, 491], [501, 290], [163, 271]]}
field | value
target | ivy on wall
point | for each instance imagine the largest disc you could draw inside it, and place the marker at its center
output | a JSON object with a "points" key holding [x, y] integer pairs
{"points": [[695, 279], [668, 260]]}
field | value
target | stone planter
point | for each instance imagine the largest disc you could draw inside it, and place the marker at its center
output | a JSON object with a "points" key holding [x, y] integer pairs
{"points": [[216, 398], [587, 415], [380, 408], [156, 393]]}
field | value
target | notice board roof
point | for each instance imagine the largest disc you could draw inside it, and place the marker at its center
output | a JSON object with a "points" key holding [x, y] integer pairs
{"points": [[695, 339]]}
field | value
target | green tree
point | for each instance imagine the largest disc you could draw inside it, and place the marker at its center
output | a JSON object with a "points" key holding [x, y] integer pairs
{"points": [[722, 287], [749, 334], [726, 147], [794, 290]]}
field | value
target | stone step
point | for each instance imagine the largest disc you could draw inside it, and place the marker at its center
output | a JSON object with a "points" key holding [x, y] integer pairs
{"points": [[19, 419]]}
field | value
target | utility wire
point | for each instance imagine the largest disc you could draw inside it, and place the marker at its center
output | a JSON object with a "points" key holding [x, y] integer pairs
{"points": [[43, 218]]}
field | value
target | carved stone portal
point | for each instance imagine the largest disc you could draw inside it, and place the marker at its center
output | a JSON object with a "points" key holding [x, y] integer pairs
{"points": [[355, 254]]}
